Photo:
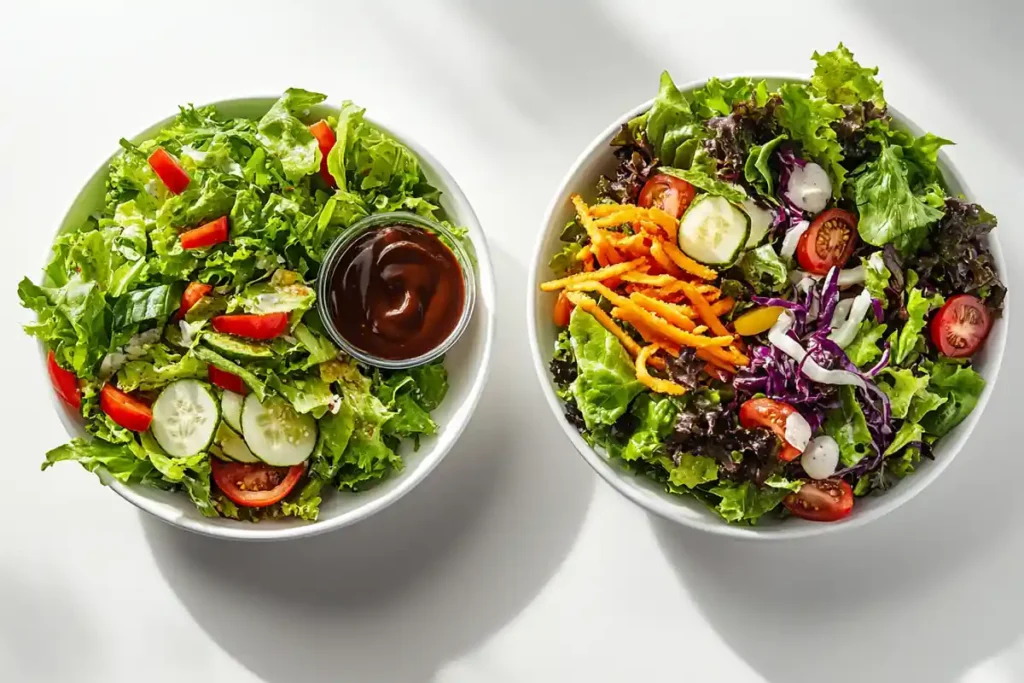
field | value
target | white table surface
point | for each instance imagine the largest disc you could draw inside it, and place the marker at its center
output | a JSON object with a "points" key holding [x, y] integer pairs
{"points": [[512, 562]]}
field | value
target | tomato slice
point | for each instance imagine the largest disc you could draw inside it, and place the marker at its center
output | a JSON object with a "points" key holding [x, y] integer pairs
{"points": [[64, 382], [168, 170], [126, 411], [254, 485], [227, 380], [824, 500], [670, 194], [770, 414], [961, 326], [563, 310], [191, 296], [207, 235], [829, 241], [266, 326], [325, 139]]}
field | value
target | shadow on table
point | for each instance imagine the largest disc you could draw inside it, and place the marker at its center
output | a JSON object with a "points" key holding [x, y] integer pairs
{"points": [[545, 76], [954, 43], [41, 613], [399, 595], [930, 593]]}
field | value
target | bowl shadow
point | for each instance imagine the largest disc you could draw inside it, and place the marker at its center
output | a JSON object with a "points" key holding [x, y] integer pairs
{"points": [[930, 594], [399, 595]]}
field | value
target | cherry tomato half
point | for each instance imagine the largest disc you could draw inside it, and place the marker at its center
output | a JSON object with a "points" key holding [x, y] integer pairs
{"points": [[65, 383], [126, 411], [828, 242], [770, 414], [254, 485], [824, 500], [191, 296], [961, 326], [266, 326], [670, 194], [563, 310]]}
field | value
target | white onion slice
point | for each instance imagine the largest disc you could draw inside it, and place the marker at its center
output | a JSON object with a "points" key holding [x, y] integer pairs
{"points": [[782, 341], [845, 334], [792, 238], [842, 312], [821, 457], [798, 431], [851, 276], [811, 369]]}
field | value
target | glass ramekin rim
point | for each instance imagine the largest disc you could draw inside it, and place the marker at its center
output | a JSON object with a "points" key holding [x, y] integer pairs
{"points": [[360, 227]]}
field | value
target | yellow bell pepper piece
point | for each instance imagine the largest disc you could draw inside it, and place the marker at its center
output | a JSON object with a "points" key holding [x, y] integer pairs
{"points": [[757, 320]]}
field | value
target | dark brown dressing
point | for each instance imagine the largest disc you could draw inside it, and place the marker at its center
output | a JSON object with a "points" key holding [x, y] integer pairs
{"points": [[396, 292]]}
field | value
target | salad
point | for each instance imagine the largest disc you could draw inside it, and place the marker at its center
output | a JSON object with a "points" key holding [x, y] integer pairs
{"points": [[773, 304], [180, 322]]}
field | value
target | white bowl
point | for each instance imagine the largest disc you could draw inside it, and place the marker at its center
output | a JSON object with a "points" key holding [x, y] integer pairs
{"points": [[467, 362], [581, 179]]}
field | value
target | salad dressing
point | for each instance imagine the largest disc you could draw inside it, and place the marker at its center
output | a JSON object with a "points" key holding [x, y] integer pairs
{"points": [[397, 292]]}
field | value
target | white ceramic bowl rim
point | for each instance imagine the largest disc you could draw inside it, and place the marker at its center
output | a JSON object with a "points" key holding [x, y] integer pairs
{"points": [[668, 505], [426, 459]]}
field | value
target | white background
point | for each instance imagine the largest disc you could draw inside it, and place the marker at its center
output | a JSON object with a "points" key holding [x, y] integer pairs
{"points": [[512, 562]]}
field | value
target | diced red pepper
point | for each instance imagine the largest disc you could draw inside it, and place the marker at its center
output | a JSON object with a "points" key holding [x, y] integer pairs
{"points": [[227, 380], [207, 235], [325, 138], [168, 170]]}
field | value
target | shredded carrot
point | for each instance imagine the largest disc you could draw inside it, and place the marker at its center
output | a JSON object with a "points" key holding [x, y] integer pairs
{"points": [[615, 219], [663, 260], [666, 311], [590, 306], [700, 329], [583, 213], [703, 308], [723, 306], [641, 326], [584, 254], [602, 274], [603, 210], [661, 386], [688, 264], [650, 280], [653, 321], [704, 354], [665, 221], [729, 355], [651, 219]]}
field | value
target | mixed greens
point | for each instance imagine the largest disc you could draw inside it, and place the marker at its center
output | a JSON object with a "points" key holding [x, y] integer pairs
{"points": [[180, 317], [773, 304]]}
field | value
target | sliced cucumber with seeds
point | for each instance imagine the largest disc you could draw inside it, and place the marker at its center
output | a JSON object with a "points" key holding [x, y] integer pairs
{"points": [[233, 446], [275, 433], [236, 348], [231, 409], [185, 418], [713, 231]]}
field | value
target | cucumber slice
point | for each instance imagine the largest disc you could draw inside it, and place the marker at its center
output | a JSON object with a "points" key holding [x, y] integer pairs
{"points": [[232, 445], [216, 452], [760, 222], [713, 231], [236, 348], [231, 409], [275, 433], [185, 418]]}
